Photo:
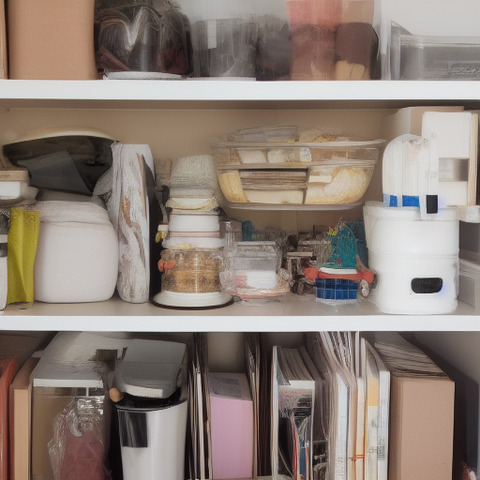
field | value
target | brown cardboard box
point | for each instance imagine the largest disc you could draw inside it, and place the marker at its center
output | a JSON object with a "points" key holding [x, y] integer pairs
{"points": [[51, 39], [3, 42], [421, 428], [19, 411]]}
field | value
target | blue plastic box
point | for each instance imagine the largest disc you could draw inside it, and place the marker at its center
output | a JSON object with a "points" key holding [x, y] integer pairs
{"points": [[336, 289]]}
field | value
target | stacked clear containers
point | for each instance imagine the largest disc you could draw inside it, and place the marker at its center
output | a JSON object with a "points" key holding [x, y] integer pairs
{"points": [[192, 263], [278, 167], [283, 40], [192, 271], [224, 37], [253, 270]]}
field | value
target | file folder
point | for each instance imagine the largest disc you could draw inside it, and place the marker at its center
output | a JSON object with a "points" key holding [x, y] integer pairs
{"points": [[231, 425]]}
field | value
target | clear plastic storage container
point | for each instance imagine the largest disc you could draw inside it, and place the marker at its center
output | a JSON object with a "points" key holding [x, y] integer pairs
{"points": [[224, 38], [329, 173], [421, 57], [137, 37], [191, 271]]}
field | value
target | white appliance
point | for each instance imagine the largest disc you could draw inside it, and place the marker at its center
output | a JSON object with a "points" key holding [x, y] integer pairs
{"points": [[415, 261], [152, 417]]}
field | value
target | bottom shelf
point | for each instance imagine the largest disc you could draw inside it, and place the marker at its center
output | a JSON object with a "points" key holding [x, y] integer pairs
{"points": [[286, 375]]}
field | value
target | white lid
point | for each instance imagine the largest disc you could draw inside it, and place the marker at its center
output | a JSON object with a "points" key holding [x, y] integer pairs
{"points": [[49, 132], [150, 368]]}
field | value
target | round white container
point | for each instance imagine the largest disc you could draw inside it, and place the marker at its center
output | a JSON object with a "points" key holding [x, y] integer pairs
{"points": [[193, 223], [77, 253], [401, 231]]}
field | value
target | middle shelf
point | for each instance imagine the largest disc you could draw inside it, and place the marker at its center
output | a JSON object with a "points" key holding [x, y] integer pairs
{"points": [[290, 314], [191, 94]]}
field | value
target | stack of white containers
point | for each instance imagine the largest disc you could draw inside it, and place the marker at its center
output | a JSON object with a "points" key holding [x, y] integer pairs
{"points": [[193, 257]]}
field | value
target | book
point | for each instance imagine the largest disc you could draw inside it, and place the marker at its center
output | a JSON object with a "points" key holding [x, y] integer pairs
{"points": [[293, 397], [3, 41], [8, 368], [383, 417], [19, 414], [231, 425]]}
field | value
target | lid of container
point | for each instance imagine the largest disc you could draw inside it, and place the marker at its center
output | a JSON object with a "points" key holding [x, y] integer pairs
{"points": [[62, 159], [379, 210], [341, 142], [90, 212], [150, 368], [50, 132]]}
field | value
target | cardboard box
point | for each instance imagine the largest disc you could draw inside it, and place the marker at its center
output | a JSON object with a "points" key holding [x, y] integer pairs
{"points": [[421, 428], [3, 42], [51, 39], [409, 120], [19, 412]]}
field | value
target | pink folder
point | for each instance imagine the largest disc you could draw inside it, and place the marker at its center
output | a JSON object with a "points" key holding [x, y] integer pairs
{"points": [[231, 424]]}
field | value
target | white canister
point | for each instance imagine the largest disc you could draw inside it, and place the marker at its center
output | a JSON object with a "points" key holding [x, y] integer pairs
{"points": [[77, 253]]}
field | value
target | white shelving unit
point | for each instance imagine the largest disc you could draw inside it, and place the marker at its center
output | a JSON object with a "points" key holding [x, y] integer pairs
{"points": [[27, 104], [179, 118], [218, 93]]}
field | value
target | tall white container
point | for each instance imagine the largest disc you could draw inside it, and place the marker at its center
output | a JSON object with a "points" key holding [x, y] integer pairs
{"points": [[415, 261]]}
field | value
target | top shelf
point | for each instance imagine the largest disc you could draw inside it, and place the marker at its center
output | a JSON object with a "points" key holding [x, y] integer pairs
{"points": [[211, 93]]}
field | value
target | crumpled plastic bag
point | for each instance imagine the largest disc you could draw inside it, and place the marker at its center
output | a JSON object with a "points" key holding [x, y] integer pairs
{"points": [[77, 449]]}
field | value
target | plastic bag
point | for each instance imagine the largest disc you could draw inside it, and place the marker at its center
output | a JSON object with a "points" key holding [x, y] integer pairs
{"points": [[77, 449]]}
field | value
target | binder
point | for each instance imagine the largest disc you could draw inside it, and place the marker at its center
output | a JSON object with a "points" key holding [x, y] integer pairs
{"points": [[231, 425]]}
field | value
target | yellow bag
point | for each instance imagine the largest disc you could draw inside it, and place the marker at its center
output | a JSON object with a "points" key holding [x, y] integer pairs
{"points": [[22, 249]]}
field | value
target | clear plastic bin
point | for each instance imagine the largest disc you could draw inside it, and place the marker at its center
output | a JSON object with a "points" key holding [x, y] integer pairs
{"points": [[257, 256], [291, 153], [420, 57], [224, 37], [327, 173], [145, 36]]}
